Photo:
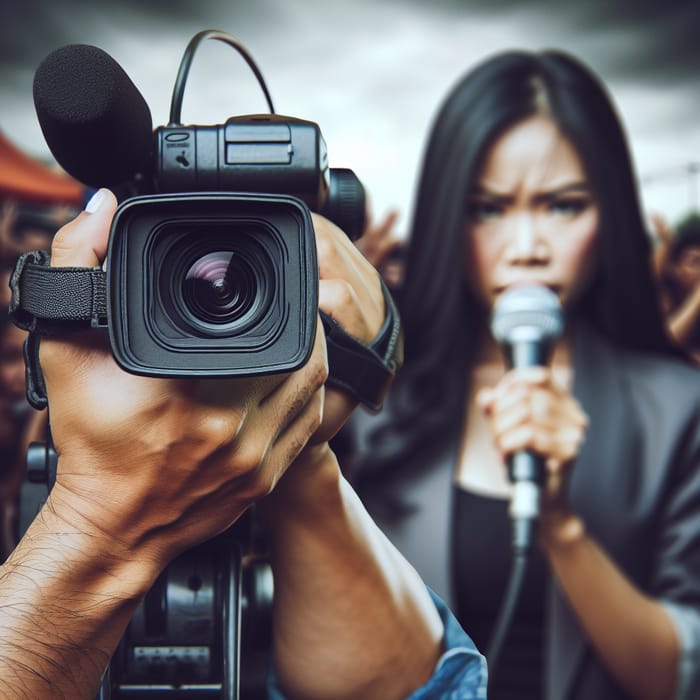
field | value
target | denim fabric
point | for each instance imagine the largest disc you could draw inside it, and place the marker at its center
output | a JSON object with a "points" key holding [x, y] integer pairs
{"points": [[460, 673]]}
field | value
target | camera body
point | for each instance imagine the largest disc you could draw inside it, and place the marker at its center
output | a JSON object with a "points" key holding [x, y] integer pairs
{"points": [[216, 274]]}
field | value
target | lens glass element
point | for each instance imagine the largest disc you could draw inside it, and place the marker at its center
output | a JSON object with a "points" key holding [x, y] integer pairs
{"points": [[217, 281], [219, 287]]}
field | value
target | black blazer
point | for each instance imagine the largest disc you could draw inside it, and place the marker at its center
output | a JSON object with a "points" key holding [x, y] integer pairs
{"points": [[636, 484]]}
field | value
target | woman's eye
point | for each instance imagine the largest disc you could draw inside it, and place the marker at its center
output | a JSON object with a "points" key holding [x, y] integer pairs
{"points": [[568, 207], [478, 210]]}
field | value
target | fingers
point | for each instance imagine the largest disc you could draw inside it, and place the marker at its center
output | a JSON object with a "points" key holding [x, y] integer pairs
{"points": [[529, 411], [83, 241], [290, 398], [80, 243], [278, 428], [349, 290], [340, 301]]}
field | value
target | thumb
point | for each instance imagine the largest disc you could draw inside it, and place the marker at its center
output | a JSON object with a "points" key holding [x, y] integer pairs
{"points": [[83, 241]]}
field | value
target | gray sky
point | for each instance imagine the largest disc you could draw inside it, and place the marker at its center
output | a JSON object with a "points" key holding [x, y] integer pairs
{"points": [[372, 72]]}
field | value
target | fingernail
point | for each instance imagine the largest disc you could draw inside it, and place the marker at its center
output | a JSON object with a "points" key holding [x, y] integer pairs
{"points": [[95, 202]]}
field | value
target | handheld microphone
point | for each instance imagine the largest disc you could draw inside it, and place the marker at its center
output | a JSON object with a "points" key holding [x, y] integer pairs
{"points": [[526, 321], [94, 119]]}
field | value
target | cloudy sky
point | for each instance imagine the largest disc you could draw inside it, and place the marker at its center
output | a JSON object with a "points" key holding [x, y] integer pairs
{"points": [[372, 72]]}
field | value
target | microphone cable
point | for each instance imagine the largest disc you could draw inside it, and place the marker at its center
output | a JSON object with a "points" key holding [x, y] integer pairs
{"points": [[519, 563]]}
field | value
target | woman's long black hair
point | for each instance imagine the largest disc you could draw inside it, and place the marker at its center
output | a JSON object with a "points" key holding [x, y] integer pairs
{"points": [[427, 403]]}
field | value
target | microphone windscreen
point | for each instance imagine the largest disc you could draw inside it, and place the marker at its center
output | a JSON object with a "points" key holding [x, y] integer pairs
{"points": [[530, 312], [94, 119]]}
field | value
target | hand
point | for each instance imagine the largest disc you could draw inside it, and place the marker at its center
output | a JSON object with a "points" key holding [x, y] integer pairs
{"points": [[163, 464], [350, 293], [528, 410]]}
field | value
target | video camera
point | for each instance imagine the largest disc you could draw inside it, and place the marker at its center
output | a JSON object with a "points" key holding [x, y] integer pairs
{"points": [[211, 267]]}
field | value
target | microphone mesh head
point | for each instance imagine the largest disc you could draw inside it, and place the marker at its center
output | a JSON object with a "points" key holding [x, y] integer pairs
{"points": [[527, 310]]}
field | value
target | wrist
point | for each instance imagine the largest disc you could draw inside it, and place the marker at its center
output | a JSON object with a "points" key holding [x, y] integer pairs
{"points": [[98, 556], [560, 531], [309, 486], [72, 594]]}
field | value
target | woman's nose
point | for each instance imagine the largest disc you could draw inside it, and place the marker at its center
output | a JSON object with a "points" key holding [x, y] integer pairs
{"points": [[525, 245]]}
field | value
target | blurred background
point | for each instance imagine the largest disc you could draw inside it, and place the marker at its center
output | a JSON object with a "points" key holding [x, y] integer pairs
{"points": [[371, 72]]}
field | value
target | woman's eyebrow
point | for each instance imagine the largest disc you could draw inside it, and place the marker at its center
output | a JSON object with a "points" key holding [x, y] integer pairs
{"points": [[577, 187], [562, 190], [492, 195]]}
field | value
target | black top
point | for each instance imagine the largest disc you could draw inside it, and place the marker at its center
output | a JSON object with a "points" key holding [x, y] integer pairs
{"points": [[481, 567]]}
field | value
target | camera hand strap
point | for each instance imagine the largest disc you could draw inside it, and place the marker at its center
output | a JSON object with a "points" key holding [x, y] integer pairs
{"points": [[365, 371], [49, 300]]}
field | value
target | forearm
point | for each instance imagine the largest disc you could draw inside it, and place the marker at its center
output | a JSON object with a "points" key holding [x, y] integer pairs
{"points": [[631, 632], [352, 619], [66, 598]]}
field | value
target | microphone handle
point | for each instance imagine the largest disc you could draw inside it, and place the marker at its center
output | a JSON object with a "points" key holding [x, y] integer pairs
{"points": [[526, 354], [526, 470], [527, 473]]}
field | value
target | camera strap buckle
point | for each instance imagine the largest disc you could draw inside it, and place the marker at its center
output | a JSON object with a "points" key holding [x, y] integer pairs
{"points": [[365, 371]]}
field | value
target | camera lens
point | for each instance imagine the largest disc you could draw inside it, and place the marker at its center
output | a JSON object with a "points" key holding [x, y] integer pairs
{"points": [[219, 287], [214, 282]]}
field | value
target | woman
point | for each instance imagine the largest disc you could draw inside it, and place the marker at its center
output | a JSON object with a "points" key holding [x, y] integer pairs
{"points": [[527, 177]]}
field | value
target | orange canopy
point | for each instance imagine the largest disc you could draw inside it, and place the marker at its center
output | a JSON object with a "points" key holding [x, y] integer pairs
{"points": [[26, 179]]}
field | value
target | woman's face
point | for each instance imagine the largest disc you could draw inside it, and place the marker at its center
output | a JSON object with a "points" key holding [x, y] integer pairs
{"points": [[531, 215]]}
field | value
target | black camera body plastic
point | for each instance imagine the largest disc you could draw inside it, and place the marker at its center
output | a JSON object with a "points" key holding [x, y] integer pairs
{"points": [[211, 285]]}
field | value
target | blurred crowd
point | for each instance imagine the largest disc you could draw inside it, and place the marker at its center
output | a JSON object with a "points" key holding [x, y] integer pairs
{"points": [[36, 199]]}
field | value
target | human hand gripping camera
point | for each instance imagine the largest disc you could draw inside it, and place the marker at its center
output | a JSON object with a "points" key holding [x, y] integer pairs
{"points": [[164, 439]]}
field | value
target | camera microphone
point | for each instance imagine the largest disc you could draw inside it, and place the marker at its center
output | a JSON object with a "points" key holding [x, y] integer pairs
{"points": [[526, 321], [94, 119]]}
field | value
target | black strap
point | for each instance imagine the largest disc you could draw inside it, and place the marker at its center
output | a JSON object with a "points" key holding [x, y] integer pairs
{"points": [[365, 371], [33, 376], [47, 300]]}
